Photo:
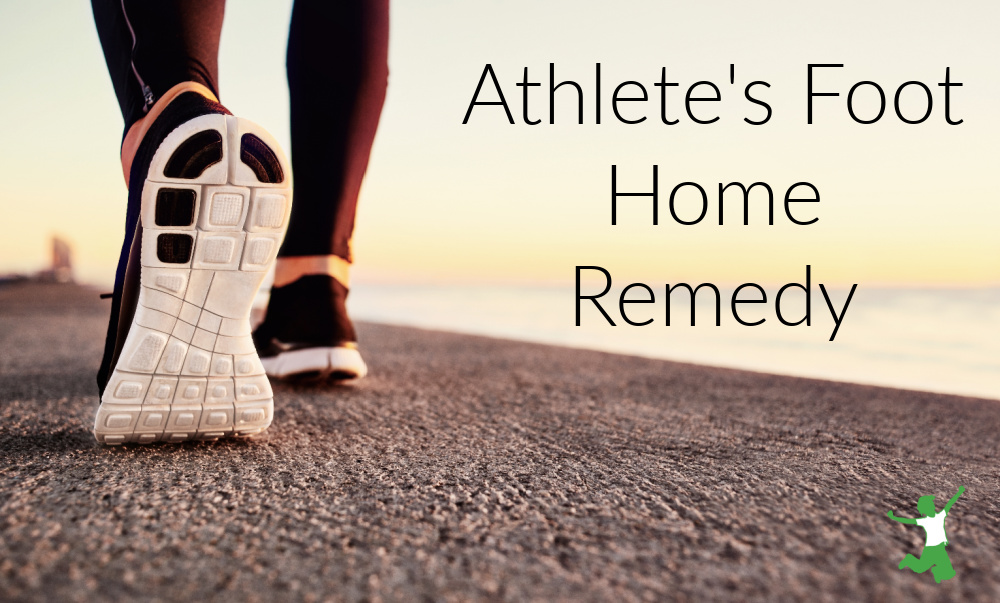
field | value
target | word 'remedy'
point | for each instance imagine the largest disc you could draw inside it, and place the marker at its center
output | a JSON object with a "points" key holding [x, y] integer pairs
{"points": [[755, 295], [667, 102]]}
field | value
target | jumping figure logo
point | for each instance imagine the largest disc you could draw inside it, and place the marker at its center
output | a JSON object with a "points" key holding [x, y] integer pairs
{"points": [[934, 557]]}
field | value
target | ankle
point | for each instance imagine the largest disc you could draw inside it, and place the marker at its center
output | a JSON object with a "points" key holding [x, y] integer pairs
{"points": [[130, 146], [287, 270]]}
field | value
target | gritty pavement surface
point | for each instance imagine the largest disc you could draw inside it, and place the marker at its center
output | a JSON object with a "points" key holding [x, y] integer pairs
{"points": [[467, 468]]}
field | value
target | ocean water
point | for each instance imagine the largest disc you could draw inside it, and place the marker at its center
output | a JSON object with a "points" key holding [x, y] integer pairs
{"points": [[941, 340]]}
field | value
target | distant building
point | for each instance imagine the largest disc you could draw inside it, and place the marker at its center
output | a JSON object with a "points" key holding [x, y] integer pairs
{"points": [[62, 263]]}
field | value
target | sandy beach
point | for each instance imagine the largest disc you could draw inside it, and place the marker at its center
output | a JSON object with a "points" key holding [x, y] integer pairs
{"points": [[469, 468]]}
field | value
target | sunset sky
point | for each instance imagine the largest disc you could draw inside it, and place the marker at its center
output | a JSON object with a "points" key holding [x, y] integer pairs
{"points": [[494, 202]]}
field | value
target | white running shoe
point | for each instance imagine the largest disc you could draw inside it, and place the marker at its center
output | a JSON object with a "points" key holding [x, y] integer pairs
{"points": [[213, 196]]}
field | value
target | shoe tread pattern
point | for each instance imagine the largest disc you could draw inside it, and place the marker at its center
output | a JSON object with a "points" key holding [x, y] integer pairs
{"points": [[189, 369]]}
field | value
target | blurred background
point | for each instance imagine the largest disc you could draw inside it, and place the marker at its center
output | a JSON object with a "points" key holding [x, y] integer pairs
{"points": [[478, 227]]}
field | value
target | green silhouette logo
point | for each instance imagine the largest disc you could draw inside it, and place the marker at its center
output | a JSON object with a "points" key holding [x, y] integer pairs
{"points": [[934, 557]]}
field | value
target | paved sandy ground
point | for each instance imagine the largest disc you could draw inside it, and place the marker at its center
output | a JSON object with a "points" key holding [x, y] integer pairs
{"points": [[468, 468]]}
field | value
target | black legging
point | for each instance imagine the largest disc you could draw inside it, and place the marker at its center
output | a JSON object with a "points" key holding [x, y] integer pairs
{"points": [[337, 75]]}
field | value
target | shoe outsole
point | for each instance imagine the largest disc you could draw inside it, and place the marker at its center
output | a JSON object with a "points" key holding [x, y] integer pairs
{"points": [[188, 369], [320, 363]]}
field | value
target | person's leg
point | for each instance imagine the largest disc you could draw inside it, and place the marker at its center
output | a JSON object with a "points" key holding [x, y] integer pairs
{"points": [[150, 49], [926, 561], [337, 76], [208, 196], [907, 561], [942, 569]]}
